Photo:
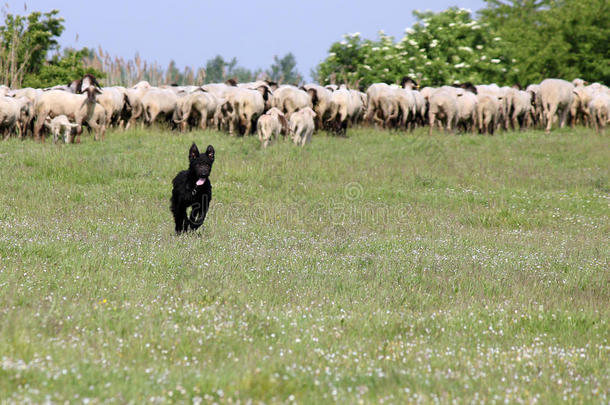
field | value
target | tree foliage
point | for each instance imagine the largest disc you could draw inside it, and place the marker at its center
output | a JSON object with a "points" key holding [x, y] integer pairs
{"points": [[553, 38], [440, 48], [25, 45], [511, 41], [283, 70]]}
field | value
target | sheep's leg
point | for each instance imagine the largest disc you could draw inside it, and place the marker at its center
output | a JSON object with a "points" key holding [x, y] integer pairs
{"points": [[431, 118], [515, 121], [551, 111], [564, 117], [231, 127], [203, 124], [38, 125], [450, 119], [79, 131]]}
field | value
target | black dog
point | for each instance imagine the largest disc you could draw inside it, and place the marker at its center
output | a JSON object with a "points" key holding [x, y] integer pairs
{"points": [[192, 188]]}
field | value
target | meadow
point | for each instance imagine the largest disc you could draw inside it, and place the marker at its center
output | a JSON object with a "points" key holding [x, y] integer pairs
{"points": [[382, 267]]}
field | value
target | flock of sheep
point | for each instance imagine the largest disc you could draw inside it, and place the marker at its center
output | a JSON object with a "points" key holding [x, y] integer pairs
{"points": [[273, 110]]}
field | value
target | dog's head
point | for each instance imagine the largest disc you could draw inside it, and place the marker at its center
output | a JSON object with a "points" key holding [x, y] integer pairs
{"points": [[201, 164]]}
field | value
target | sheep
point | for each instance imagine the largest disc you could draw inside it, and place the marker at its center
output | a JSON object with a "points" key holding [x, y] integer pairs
{"points": [[183, 110], [142, 85], [78, 86], [467, 103], [443, 106], [203, 107], [580, 104], [339, 105], [302, 126], [420, 108], [97, 121], [382, 104], [537, 113], [521, 114], [157, 102], [60, 126], [488, 112], [406, 106], [556, 96], [599, 111], [271, 124], [78, 107], [9, 115], [248, 105], [356, 107], [320, 99], [133, 108], [289, 99], [113, 100]]}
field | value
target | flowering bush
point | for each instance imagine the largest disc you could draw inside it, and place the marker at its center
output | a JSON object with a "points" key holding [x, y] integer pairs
{"points": [[440, 48]]}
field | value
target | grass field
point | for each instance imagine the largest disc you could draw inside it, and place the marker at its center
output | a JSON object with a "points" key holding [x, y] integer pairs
{"points": [[381, 267]]}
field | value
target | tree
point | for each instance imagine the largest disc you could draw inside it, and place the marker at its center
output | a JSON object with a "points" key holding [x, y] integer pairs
{"points": [[283, 70], [218, 70], [172, 74], [440, 48], [512, 41], [61, 69], [25, 42], [553, 38]]}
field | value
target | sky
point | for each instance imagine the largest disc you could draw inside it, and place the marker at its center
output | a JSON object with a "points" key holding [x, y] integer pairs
{"points": [[192, 31]]}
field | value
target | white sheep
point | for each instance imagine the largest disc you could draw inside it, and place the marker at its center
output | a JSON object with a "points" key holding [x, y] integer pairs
{"points": [[60, 126], [556, 96], [340, 100], [270, 125], [467, 110], [320, 99], [78, 107], [599, 110], [302, 126], [443, 107], [289, 99]]}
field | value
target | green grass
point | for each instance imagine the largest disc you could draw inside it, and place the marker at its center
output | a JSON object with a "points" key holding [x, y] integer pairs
{"points": [[382, 266]]}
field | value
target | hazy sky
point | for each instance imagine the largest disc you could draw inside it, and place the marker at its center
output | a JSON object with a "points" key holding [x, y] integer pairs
{"points": [[193, 31]]}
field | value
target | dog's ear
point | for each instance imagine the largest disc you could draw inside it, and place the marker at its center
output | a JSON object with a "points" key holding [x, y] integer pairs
{"points": [[210, 152], [193, 152]]}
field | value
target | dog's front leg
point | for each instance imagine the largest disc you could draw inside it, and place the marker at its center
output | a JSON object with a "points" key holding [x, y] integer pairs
{"points": [[181, 220], [197, 216]]}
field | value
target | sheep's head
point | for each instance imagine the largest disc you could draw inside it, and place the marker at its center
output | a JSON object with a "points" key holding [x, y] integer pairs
{"points": [[91, 93]]}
